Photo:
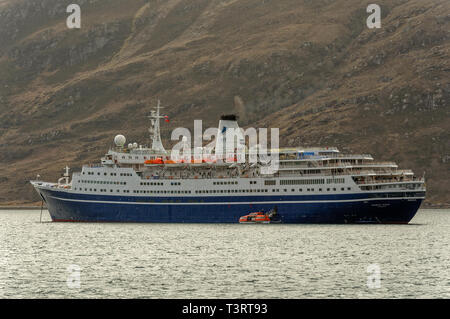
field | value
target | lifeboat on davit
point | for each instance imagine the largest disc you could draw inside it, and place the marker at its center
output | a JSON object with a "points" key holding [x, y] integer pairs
{"points": [[155, 161]]}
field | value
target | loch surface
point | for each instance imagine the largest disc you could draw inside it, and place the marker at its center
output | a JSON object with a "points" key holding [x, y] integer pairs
{"points": [[111, 260]]}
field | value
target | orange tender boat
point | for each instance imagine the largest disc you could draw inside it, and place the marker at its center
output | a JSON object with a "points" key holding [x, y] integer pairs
{"points": [[253, 218], [260, 218]]}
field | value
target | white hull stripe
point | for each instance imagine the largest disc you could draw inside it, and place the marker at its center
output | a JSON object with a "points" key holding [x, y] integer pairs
{"points": [[237, 203]]}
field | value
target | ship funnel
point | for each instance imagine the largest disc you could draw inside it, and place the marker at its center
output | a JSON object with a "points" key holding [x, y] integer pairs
{"points": [[228, 123]]}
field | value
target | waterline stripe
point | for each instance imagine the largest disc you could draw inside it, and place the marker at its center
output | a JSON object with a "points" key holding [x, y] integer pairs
{"points": [[236, 203]]}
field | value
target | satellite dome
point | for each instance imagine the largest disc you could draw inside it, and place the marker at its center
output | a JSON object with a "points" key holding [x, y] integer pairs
{"points": [[120, 140], [130, 145], [135, 145]]}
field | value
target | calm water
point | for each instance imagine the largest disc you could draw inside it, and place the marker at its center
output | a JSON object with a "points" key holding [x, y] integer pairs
{"points": [[223, 261]]}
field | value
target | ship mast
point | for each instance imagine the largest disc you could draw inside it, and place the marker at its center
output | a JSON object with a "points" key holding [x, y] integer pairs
{"points": [[155, 134]]}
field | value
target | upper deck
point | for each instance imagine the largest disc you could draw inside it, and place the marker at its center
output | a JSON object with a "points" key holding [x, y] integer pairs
{"points": [[128, 167]]}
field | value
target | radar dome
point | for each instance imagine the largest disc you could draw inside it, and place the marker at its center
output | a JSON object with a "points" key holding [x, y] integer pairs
{"points": [[120, 140], [135, 145]]}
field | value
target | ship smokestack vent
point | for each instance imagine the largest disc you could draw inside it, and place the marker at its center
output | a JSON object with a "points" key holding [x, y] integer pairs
{"points": [[229, 117]]}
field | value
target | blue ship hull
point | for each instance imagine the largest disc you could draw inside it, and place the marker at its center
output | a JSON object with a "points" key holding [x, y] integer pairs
{"points": [[333, 209]]}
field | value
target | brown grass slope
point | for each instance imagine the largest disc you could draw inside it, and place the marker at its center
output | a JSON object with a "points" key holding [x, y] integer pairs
{"points": [[312, 68]]}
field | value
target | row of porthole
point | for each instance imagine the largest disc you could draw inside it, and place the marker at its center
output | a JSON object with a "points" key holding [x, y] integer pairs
{"points": [[102, 182], [260, 190], [213, 191], [112, 174], [328, 189], [210, 191], [227, 183], [101, 190], [160, 192], [131, 157]]}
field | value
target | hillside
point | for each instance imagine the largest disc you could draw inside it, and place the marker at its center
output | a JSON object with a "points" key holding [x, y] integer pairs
{"points": [[311, 68]]}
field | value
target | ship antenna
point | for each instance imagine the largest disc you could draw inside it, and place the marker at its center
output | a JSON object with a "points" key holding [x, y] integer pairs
{"points": [[155, 134]]}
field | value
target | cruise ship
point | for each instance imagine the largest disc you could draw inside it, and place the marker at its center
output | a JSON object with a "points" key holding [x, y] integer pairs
{"points": [[135, 183]]}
